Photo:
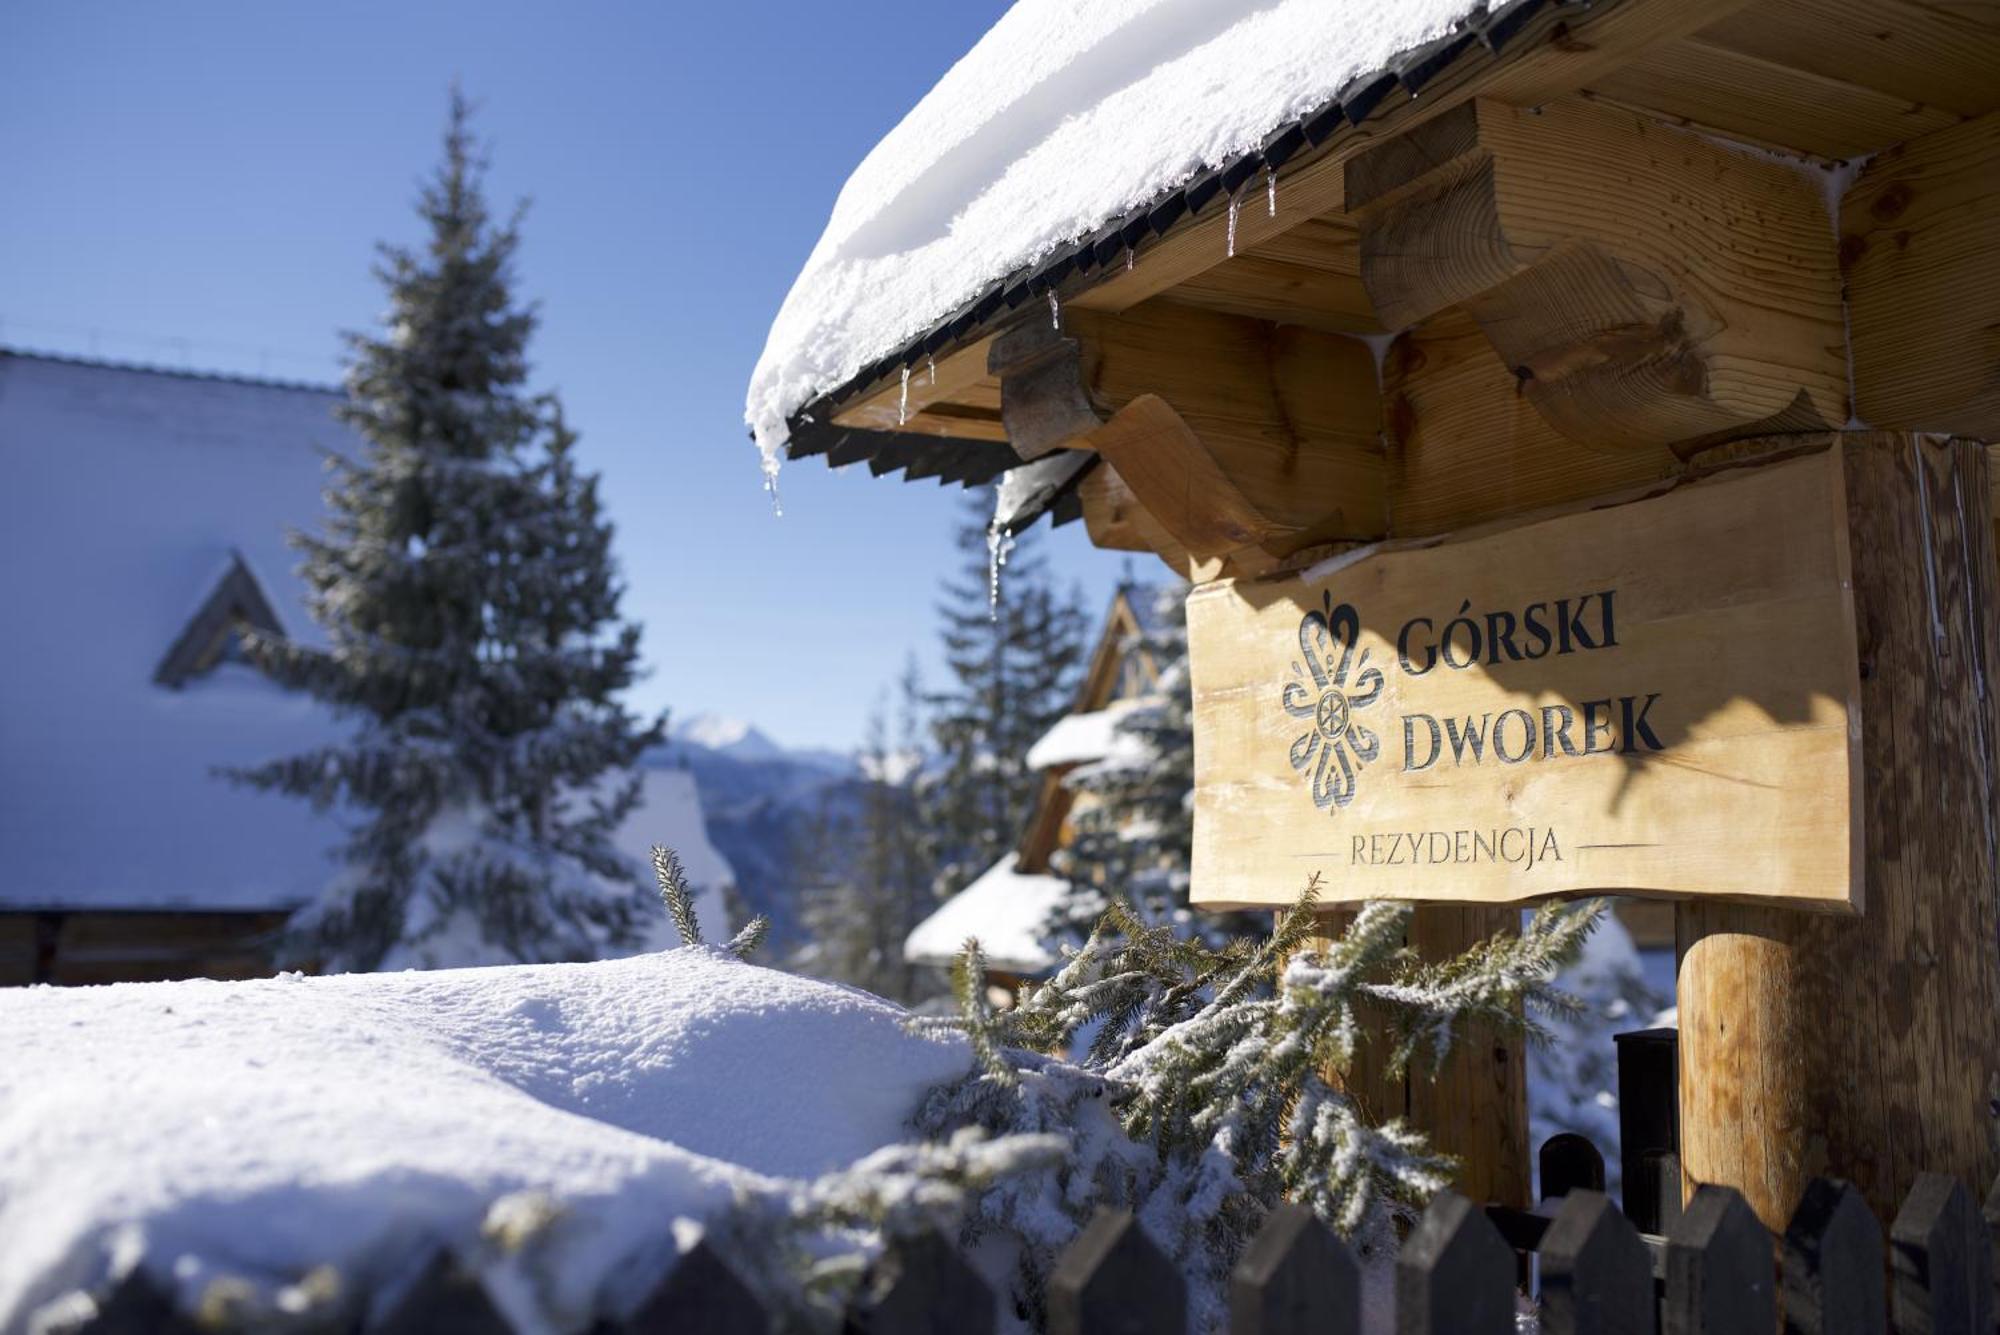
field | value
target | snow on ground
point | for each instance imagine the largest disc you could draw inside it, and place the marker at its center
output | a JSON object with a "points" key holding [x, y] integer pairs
{"points": [[1063, 117], [1007, 910], [257, 1129]]}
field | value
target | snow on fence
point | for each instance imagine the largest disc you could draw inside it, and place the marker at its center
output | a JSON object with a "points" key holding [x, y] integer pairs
{"points": [[1715, 1272]]}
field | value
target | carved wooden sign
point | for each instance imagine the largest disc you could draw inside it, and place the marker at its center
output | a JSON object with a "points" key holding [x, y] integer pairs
{"points": [[1656, 697]]}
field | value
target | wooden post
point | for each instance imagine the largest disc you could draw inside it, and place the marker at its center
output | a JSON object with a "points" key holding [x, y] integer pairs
{"points": [[1869, 1047], [1476, 1105]]}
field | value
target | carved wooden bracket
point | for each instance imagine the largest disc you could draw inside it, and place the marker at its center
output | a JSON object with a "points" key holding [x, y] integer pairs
{"points": [[1042, 400], [1646, 287], [1185, 492]]}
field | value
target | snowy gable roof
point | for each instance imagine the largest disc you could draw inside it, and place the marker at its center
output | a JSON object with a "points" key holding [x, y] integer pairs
{"points": [[1007, 910], [128, 498], [1079, 738], [1068, 133]]}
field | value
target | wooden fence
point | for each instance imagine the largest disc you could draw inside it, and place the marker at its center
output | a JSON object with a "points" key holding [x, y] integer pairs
{"points": [[1593, 1268], [1715, 1272]]}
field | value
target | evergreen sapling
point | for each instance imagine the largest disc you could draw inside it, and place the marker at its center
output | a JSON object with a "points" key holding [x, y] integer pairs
{"points": [[465, 583]]}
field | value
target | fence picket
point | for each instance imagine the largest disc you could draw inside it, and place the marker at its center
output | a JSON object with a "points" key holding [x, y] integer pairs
{"points": [[1113, 1281], [1991, 1212], [930, 1290], [444, 1300], [1295, 1277], [1455, 1275], [1569, 1162], [1721, 1271], [1597, 1276], [701, 1295], [1833, 1264], [1941, 1275]]}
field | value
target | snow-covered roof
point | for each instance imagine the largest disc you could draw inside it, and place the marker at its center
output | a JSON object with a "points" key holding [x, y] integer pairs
{"points": [[1007, 910], [259, 1129], [125, 497], [1077, 738], [1063, 117], [670, 813]]}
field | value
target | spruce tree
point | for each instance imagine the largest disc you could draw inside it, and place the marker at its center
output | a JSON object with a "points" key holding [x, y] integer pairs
{"points": [[465, 583], [1013, 650], [858, 917]]}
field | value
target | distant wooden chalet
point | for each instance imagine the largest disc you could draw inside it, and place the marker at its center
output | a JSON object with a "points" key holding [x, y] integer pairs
{"points": [[1361, 305], [1008, 906], [142, 526]]}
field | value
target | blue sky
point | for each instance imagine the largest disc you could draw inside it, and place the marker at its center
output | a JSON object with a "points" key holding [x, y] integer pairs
{"points": [[202, 185]]}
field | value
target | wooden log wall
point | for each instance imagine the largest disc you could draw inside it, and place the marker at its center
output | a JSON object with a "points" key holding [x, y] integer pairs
{"points": [[1870, 1046]]}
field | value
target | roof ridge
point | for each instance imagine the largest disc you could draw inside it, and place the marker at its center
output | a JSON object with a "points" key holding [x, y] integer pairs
{"points": [[178, 373]]}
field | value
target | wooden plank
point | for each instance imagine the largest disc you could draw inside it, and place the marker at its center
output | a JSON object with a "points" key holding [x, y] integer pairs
{"points": [[1721, 1273], [1560, 52], [1597, 1275], [1767, 100], [1268, 289], [1920, 247], [1833, 1264], [884, 407], [1295, 1278], [1644, 285], [1291, 416], [1865, 1046], [1469, 446], [1112, 1279], [1923, 53], [1455, 1273], [1727, 680]]}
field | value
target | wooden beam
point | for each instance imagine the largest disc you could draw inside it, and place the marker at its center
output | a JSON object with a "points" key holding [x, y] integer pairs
{"points": [[1868, 1047], [1561, 51], [1291, 416], [1646, 286], [1183, 487], [1920, 247], [957, 376], [1768, 100], [1468, 445], [1117, 521]]}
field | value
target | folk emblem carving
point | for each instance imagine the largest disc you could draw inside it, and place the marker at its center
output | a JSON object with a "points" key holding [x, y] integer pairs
{"points": [[1330, 685]]}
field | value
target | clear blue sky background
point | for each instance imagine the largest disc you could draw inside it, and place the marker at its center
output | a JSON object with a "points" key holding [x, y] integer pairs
{"points": [[202, 185]]}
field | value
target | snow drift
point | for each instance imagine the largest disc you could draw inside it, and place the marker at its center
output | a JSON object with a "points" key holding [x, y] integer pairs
{"points": [[258, 1129], [1063, 117]]}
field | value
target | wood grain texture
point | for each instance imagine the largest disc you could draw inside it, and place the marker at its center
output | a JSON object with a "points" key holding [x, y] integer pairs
{"points": [[1291, 416], [1467, 445], [1646, 286], [1869, 1047], [1726, 683], [1920, 247]]}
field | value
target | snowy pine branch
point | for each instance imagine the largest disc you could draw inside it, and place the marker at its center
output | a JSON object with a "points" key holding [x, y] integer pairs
{"points": [[677, 894], [746, 942]]}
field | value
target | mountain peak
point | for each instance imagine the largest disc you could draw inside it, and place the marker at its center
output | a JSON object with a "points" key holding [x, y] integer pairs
{"points": [[731, 736]]}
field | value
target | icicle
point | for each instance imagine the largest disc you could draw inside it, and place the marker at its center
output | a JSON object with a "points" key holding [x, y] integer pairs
{"points": [[932, 363], [771, 488], [1235, 204], [1270, 193], [1131, 258], [999, 546], [1055, 311], [903, 404]]}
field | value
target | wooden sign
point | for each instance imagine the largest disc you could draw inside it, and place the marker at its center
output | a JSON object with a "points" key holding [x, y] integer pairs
{"points": [[1658, 698]]}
